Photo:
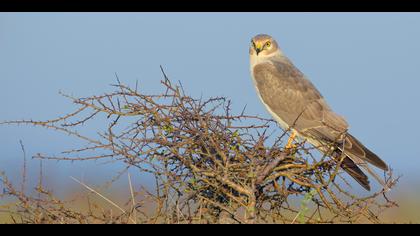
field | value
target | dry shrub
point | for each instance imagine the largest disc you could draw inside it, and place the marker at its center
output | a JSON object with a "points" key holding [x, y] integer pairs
{"points": [[210, 166]]}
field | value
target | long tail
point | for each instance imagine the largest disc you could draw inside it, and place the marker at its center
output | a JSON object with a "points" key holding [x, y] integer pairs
{"points": [[354, 171], [357, 155]]}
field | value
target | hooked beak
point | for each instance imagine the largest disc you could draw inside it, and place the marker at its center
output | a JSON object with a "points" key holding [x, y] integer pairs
{"points": [[257, 48]]}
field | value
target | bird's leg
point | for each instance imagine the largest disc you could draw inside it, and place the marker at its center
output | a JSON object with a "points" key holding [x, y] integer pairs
{"points": [[292, 137]]}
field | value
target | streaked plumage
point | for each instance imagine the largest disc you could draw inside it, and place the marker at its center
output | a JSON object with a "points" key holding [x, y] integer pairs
{"points": [[295, 103]]}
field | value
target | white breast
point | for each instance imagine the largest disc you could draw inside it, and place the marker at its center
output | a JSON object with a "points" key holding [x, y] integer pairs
{"points": [[255, 60], [281, 122]]}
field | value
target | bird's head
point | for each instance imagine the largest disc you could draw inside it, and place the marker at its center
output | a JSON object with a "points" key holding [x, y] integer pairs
{"points": [[263, 45]]}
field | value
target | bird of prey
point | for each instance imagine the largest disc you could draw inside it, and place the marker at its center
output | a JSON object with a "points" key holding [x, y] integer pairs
{"points": [[297, 105]]}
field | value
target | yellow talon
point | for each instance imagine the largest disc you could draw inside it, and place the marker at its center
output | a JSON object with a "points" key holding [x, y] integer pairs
{"points": [[290, 144]]}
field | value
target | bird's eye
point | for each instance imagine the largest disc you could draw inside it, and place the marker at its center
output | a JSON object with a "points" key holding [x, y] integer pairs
{"points": [[268, 44]]}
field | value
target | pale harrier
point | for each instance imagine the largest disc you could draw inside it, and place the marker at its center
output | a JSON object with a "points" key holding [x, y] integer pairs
{"points": [[297, 105]]}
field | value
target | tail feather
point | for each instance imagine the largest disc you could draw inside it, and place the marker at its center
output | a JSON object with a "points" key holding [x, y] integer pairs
{"points": [[358, 155], [356, 150], [354, 171]]}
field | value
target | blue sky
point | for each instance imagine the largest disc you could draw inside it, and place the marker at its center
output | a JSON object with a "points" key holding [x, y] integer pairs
{"points": [[365, 64]]}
